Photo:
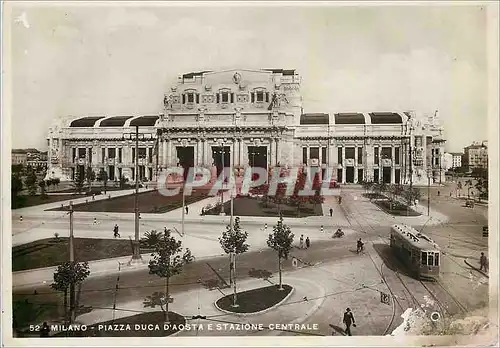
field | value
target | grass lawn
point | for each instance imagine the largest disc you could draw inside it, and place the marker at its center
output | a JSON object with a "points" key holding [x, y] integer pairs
{"points": [[255, 300], [373, 195], [51, 252], [253, 206], [398, 209], [94, 187], [30, 201], [149, 202]]}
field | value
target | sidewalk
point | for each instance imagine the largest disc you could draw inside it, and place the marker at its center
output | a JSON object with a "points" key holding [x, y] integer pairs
{"points": [[37, 209], [202, 242], [356, 206]]}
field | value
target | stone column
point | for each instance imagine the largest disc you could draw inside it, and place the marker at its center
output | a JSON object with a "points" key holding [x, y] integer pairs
{"points": [[393, 172], [169, 153], [334, 157], [343, 165], [271, 152], [232, 158], [164, 153], [355, 163], [278, 151], [195, 153], [240, 152], [320, 155]]}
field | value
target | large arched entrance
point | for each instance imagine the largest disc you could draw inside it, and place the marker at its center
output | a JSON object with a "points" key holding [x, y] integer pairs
{"points": [[185, 154], [222, 157], [257, 156]]}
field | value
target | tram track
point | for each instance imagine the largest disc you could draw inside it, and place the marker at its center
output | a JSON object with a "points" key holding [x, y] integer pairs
{"points": [[409, 294]]}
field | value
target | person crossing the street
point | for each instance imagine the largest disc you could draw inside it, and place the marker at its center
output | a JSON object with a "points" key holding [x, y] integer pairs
{"points": [[116, 232], [348, 321], [483, 262]]}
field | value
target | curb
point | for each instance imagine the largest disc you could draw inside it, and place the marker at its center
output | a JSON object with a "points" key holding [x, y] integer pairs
{"points": [[476, 269], [315, 307], [259, 312]]}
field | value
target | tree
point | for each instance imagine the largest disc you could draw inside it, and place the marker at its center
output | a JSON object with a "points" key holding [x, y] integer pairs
{"points": [[411, 194], [17, 168], [16, 185], [281, 241], [482, 188], [42, 185], [123, 181], [66, 277], [168, 260], [89, 176], [56, 181], [469, 184], [296, 199], [79, 181], [31, 182], [103, 176], [459, 188], [151, 239], [233, 242]]}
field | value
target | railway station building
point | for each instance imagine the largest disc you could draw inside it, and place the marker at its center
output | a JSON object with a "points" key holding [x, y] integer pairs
{"points": [[239, 118]]}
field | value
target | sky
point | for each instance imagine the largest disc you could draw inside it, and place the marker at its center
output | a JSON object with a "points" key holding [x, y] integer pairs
{"points": [[83, 59]]}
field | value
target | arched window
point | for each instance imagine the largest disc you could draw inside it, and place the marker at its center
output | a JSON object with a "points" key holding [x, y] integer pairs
{"points": [[259, 95], [225, 96], [190, 96]]}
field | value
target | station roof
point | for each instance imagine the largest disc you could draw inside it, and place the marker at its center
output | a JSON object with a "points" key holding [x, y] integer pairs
{"points": [[85, 121], [282, 71], [416, 239], [193, 74], [115, 121], [314, 119], [144, 121], [385, 118], [349, 118]]}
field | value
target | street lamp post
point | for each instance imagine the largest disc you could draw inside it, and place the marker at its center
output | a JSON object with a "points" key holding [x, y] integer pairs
{"points": [[136, 255]]}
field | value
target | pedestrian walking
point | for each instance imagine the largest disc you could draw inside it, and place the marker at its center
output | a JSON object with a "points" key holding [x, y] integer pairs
{"points": [[95, 221], [301, 241], [340, 199], [439, 193], [348, 321], [331, 212], [187, 210], [483, 263], [116, 232], [93, 196], [359, 246], [321, 229], [45, 330], [308, 243], [265, 227]]}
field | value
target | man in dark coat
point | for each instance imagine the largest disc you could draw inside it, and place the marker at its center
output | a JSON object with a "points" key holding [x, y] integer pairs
{"points": [[331, 212], [348, 321]]}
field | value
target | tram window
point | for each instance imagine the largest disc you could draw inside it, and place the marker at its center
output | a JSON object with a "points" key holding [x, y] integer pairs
{"points": [[436, 259], [431, 259], [424, 258]]}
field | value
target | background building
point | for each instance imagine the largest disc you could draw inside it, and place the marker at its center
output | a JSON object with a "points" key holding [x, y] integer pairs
{"points": [[19, 156], [475, 156], [240, 118], [456, 161]]}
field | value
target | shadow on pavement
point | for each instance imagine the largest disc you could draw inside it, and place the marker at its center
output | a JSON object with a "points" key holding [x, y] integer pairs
{"points": [[390, 260], [337, 330]]}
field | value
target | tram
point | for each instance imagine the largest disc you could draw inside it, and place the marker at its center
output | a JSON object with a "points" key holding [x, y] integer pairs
{"points": [[419, 253]]}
